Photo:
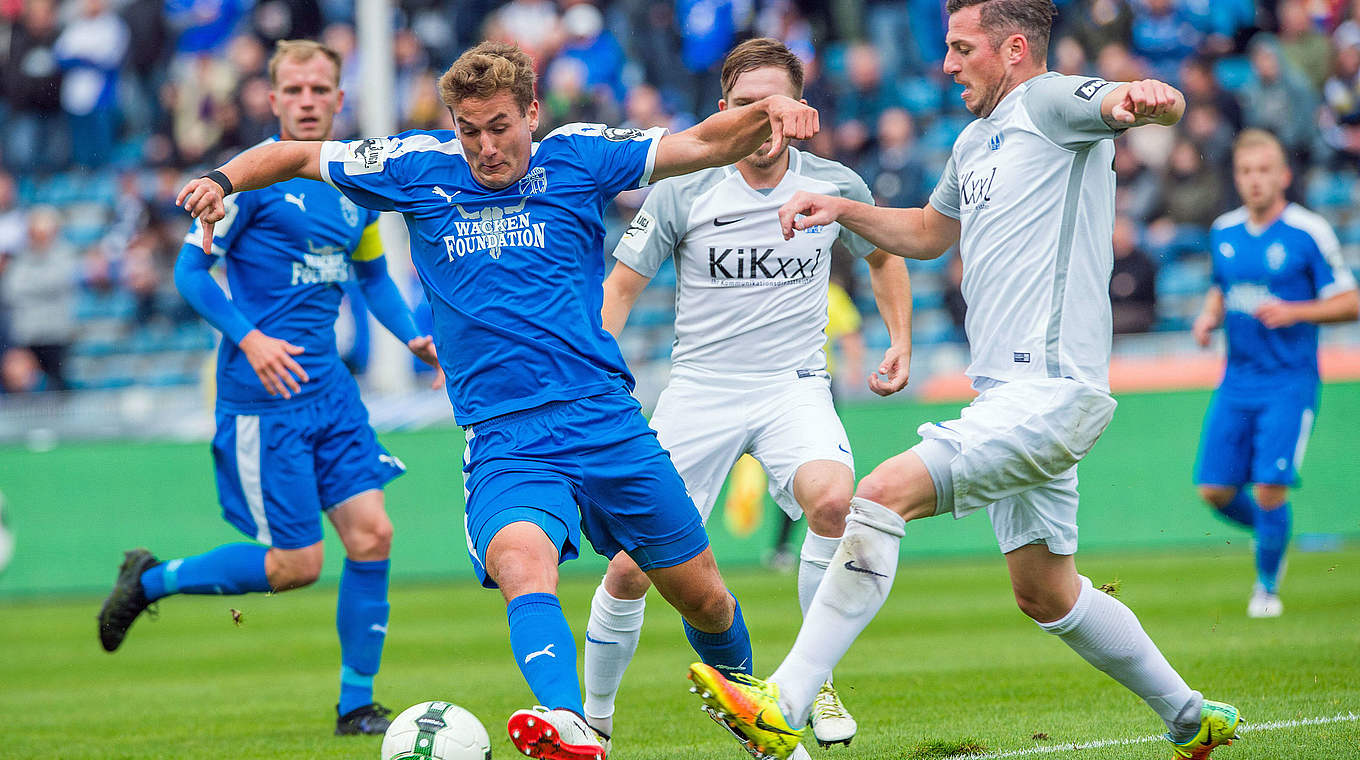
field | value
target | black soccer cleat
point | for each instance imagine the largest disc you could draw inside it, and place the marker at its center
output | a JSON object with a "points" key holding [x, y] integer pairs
{"points": [[127, 600], [371, 719]]}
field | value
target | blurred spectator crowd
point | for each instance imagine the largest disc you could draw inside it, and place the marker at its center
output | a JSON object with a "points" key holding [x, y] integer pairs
{"points": [[108, 105]]}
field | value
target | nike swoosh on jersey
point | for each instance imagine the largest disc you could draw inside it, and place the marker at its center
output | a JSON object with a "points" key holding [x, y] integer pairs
{"points": [[851, 566], [724, 223]]}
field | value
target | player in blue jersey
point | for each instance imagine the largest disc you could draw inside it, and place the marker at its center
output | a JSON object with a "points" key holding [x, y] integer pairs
{"points": [[1278, 274], [293, 440], [507, 237]]}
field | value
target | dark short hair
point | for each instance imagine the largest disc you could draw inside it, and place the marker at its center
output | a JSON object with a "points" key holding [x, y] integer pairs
{"points": [[486, 70], [1002, 18], [757, 54]]}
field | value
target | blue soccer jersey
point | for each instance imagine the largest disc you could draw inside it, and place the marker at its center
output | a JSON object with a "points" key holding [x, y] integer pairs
{"points": [[1295, 258], [288, 249], [513, 276]]}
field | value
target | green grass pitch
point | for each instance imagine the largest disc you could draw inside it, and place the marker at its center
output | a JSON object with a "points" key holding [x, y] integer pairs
{"points": [[949, 658]]}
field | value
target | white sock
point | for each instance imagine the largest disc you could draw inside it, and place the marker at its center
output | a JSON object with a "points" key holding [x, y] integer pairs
{"points": [[1108, 635], [813, 559], [611, 639], [852, 591]]}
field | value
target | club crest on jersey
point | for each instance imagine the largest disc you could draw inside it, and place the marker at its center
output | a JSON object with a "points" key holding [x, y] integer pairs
{"points": [[1226, 250], [493, 228], [321, 264], [349, 211], [1275, 256], [535, 182], [995, 142]]}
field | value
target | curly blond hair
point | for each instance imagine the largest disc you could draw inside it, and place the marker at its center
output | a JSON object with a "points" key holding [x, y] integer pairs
{"points": [[486, 70]]}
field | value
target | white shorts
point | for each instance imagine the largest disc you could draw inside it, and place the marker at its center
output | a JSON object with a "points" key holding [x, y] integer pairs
{"points": [[1015, 452], [783, 425]]}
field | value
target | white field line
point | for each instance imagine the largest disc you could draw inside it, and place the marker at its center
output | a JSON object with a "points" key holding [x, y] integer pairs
{"points": [[1247, 728]]}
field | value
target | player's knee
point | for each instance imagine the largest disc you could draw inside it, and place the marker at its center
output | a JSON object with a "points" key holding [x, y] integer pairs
{"points": [[1041, 606], [294, 568], [372, 541], [876, 487], [624, 579], [826, 511], [1217, 496], [1270, 496], [710, 612]]}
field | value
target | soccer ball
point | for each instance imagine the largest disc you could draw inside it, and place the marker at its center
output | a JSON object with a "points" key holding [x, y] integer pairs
{"points": [[436, 731]]}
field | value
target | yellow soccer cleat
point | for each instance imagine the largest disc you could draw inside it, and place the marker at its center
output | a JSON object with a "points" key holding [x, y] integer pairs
{"points": [[1217, 726], [749, 708]]}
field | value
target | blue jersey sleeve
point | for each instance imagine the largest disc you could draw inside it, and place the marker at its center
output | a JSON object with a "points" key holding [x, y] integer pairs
{"points": [[203, 293], [368, 171], [1326, 266], [1216, 271], [616, 158]]}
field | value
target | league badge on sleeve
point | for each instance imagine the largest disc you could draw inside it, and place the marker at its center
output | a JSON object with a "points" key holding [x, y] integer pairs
{"points": [[639, 230], [1089, 88], [367, 156], [621, 134]]}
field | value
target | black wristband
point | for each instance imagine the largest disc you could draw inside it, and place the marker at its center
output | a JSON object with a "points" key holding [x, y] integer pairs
{"points": [[221, 179]]}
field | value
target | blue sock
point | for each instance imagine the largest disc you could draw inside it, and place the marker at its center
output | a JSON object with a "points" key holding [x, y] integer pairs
{"points": [[545, 650], [728, 652], [1272, 538], [229, 569], [361, 620], [1241, 510]]}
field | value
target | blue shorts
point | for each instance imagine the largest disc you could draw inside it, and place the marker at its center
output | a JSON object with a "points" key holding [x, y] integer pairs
{"points": [[1260, 439], [278, 471], [589, 465]]}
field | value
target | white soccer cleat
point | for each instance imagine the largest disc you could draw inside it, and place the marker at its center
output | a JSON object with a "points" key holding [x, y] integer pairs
{"points": [[554, 735], [831, 722], [1264, 604], [799, 753]]}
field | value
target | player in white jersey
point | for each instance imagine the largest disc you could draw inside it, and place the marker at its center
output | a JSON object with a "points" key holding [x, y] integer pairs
{"points": [[1028, 195], [749, 372]]}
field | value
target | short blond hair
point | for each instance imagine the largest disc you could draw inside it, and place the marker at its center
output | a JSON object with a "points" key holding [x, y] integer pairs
{"points": [[1254, 137], [488, 69], [298, 51]]}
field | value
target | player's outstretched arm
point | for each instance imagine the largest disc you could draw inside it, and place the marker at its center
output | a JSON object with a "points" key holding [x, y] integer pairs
{"points": [[1342, 307], [913, 233], [621, 290], [258, 167], [1210, 317], [731, 135], [892, 292], [1147, 101]]}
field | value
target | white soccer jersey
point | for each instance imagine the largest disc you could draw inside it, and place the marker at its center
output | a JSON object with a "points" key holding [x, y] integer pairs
{"points": [[748, 303], [1033, 188]]}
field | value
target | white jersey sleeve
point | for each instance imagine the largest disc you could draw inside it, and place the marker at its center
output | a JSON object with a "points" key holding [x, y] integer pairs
{"points": [[945, 196], [853, 187], [1067, 109], [655, 231]]}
